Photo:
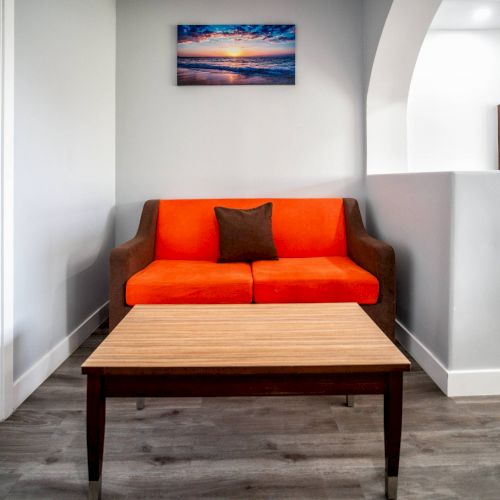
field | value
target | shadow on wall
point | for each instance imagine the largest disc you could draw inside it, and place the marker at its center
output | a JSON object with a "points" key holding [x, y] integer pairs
{"points": [[405, 269], [70, 294], [413, 213], [87, 284]]}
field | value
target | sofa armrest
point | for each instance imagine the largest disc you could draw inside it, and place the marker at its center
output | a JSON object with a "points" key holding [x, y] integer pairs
{"points": [[129, 258], [376, 257]]}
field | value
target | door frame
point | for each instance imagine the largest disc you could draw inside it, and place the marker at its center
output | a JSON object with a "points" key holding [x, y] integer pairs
{"points": [[6, 207]]}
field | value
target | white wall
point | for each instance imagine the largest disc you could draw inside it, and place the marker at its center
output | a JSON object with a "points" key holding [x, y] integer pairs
{"points": [[476, 271], [302, 140], [452, 107], [64, 177], [445, 230]]}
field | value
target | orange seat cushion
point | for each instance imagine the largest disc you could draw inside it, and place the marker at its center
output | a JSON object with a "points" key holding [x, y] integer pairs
{"points": [[190, 282], [317, 279], [302, 227]]}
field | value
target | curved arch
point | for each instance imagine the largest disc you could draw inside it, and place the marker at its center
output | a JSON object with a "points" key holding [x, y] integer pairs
{"points": [[403, 34]]}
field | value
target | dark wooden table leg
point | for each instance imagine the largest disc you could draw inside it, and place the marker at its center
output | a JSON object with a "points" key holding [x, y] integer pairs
{"points": [[393, 413], [96, 416]]}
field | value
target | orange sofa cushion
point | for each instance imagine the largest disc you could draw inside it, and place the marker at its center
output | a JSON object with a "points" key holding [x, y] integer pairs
{"points": [[317, 279], [190, 282], [307, 227]]}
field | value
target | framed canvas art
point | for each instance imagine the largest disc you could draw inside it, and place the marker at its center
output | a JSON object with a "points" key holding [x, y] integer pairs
{"points": [[235, 54]]}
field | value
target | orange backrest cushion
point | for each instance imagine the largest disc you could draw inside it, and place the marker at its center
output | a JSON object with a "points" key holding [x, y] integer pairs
{"points": [[302, 227]]}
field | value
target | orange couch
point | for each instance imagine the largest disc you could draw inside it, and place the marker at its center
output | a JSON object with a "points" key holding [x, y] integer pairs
{"points": [[325, 255]]}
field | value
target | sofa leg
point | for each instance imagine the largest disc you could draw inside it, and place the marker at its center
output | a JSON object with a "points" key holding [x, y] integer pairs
{"points": [[349, 400], [140, 404]]}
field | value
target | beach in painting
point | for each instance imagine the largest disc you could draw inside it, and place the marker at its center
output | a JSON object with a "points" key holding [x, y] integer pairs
{"points": [[271, 70], [236, 55]]}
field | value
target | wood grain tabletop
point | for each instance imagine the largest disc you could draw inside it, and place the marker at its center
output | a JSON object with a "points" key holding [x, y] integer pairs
{"points": [[246, 338]]}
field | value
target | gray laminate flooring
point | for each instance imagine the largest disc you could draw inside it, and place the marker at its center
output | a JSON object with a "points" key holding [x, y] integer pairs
{"points": [[286, 448]]}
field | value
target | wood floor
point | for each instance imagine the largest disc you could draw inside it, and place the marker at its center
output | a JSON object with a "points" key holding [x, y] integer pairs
{"points": [[297, 447]]}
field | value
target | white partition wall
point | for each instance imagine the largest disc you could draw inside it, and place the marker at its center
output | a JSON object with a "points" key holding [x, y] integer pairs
{"points": [[445, 228], [475, 311], [444, 225]]}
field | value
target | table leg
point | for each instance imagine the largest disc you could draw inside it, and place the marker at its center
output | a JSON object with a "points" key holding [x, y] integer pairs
{"points": [[96, 416], [393, 413]]}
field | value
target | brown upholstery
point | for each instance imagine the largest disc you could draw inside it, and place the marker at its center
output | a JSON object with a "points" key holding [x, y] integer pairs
{"points": [[378, 258], [129, 258], [369, 253]]}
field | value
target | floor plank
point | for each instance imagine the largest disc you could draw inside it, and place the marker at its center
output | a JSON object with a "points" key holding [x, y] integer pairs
{"points": [[212, 448]]}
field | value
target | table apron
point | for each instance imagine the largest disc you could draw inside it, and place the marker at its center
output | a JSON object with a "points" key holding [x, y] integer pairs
{"points": [[241, 385]]}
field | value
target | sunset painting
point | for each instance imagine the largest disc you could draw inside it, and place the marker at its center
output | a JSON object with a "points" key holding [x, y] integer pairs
{"points": [[236, 54]]}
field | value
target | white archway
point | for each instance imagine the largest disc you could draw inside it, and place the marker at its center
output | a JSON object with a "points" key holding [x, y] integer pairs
{"points": [[386, 132]]}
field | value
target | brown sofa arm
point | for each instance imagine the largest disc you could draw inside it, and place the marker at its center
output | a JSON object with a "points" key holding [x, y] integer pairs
{"points": [[378, 258], [129, 258]]}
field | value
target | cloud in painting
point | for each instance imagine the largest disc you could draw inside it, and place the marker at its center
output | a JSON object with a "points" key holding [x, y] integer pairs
{"points": [[275, 33]]}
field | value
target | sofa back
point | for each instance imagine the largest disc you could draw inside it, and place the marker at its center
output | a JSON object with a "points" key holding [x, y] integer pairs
{"points": [[302, 227]]}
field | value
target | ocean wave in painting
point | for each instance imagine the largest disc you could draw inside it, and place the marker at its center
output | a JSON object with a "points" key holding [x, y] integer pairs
{"points": [[264, 70]]}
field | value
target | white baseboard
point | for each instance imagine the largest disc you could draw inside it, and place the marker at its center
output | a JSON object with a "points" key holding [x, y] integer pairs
{"points": [[453, 383], [474, 383], [31, 379], [425, 358]]}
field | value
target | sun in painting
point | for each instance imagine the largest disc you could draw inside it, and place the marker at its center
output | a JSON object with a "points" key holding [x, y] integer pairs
{"points": [[234, 52]]}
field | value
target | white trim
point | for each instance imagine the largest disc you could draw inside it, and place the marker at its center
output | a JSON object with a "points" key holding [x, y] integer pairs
{"points": [[474, 383], [453, 383], [425, 358], [6, 207], [31, 379]]}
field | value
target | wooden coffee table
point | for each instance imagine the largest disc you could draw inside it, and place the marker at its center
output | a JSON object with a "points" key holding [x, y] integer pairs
{"points": [[245, 350]]}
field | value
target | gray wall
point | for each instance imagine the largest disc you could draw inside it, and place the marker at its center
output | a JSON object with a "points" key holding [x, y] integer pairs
{"points": [[64, 168], [413, 212], [302, 140]]}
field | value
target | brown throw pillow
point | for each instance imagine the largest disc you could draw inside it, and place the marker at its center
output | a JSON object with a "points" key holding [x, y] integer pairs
{"points": [[246, 235]]}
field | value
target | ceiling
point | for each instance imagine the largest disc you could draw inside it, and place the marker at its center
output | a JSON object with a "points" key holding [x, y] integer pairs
{"points": [[467, 15]]}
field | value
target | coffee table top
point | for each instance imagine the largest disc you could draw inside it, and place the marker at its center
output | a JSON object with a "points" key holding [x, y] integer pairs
{"points": [[246, 338]]}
